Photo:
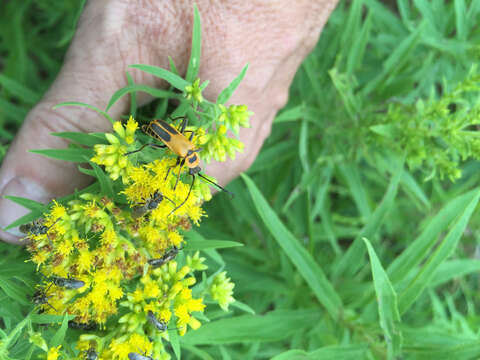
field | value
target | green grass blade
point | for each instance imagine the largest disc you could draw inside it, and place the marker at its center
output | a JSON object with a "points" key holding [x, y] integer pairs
{"points": [[132, 89], [133, 96], [226, 93], [349, 263], [307, 267], [81, 138], [24, 219], [334, 352], [174, 80], [80, 104], [106, 186], [194, 63], [461, 19], [453, 269], [60, 334], [387, 304], [14, 291], [175, 342], [351, 174], [443, 251], [19, 90], [421, 246], [26, 203], [73, 155], [273, 326]]}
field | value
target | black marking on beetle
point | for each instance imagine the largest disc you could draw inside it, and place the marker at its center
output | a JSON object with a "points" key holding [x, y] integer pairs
{"points": [[168, 127], [161, 133], [192, 159]]}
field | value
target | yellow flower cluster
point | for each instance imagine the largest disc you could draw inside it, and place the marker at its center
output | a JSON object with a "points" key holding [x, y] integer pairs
{"points": [[113, 156], [111, 262]]}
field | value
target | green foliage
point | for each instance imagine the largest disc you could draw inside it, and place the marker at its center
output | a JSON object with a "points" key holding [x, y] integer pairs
{"points": [[379, 140]]}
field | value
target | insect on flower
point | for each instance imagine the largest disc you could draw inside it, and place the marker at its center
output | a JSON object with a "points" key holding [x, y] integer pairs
{"points": [[36, 227], [149, 205], [82, 326], [136, 356], [169, 255], [40, 297], [91, 354], [159, 324], [179, 144], [68, 283]]}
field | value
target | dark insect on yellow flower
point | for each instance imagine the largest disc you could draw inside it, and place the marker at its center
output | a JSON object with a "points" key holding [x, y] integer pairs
{"points": [[69, 283], [184, 148], [159, 324], [168, 256], [36, 227], [90, 326], [91, 354], [136, 356], [40, 297], [149, 205]]}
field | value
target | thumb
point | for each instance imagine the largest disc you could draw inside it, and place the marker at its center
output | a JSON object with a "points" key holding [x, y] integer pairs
{"points": [[38, 178]]}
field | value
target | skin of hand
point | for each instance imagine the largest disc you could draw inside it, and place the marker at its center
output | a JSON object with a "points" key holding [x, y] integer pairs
{"points": [[272, 36]]}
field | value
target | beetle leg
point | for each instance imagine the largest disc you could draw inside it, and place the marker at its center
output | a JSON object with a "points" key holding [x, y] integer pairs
{"points": [[173, 166], [143, 146], [179, 172], [184, 201]]}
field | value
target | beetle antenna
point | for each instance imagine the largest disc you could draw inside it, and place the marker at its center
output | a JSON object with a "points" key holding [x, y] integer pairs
{"points": [[217, 185]]}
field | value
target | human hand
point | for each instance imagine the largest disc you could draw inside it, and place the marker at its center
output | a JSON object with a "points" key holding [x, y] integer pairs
{"points": [[272, 36]]}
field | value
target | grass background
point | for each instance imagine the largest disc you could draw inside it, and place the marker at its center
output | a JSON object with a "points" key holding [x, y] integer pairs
{"points": [[382, 117]]}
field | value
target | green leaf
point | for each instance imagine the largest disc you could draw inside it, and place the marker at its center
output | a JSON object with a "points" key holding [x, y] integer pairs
{"points": [[14, 291], [420, 247], [349, 263], [69, 154], [27, 203], [80, 104], [387, 304], [25, 219], [453, 269], [243, 307], [19, 90], [106, 186], [303, 261], [194, 63], [352, 176], [175, 342], [60, 334], [133, 97], [174, 80], [442, 252], [334, 352], [81, 138], [461, 19], [157, 93], [49, 319], [273, 326], [226, 93], [198, 242]]}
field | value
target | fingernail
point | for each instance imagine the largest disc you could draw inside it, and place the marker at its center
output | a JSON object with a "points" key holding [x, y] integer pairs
{"points": [[11, 211]]}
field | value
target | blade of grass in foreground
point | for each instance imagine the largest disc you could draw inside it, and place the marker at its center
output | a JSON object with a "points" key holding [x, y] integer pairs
{"points": [[443, 251], [336, 352], [308, 268], [273, 326], [387, 304]]}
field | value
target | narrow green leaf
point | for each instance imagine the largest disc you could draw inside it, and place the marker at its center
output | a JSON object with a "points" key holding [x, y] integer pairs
{"points": [[387, 304], [174, 80], [14, 291], [453, 269], [132, 89], [26, 203], [244, 307], [194, 63], [20, 91], [357, 51], [49, 319], [273, 326], [81, 138], [349, 263], [175, 342], [420, 247], [351, 174], [25, 219], [307, 267], [106, 185], [461, 19], [442, 252], [226, 93], [60, 334], [80, 104], [291, 114], [193, 245], [69, 154], [334, 352]]}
